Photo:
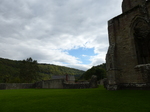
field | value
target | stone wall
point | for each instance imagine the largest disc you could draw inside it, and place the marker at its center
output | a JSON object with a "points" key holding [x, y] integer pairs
{"points": [[76, 86], [129, 4], [93, 82], [50, 84], [140, 86], [53, 84], [16, 85], [128, 43]]}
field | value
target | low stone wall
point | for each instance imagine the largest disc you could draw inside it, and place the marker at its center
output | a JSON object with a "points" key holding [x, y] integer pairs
{"points": [[50, 84], [144, 69], [91, 84], [143, 86], [16, 85], [130, 86], [2, 86], [76, 86], [53, 84]]}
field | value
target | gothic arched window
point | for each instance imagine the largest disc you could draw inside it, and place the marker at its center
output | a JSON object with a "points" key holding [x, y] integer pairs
{"points": [[142, 41]]}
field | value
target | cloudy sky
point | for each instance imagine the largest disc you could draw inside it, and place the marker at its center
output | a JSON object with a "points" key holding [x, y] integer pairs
{"points": [[70, 33]]}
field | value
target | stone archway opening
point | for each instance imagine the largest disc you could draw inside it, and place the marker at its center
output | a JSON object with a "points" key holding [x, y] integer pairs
{"points": [[142, 45], [142, 42]]}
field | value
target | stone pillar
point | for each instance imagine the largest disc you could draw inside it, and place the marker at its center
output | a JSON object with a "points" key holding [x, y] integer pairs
{"points": [[93, 82]]}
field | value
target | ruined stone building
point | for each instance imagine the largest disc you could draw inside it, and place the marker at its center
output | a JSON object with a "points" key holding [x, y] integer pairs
{"points": [[69, 79], [128, 56]]}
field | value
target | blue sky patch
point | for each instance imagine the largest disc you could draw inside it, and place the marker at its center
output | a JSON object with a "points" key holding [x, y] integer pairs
{"points": [[83, 54]]}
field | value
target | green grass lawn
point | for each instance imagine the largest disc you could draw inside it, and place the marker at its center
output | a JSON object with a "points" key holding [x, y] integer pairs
{"points": [[74, 100]]}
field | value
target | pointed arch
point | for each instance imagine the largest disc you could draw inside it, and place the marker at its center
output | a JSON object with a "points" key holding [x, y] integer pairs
{"points": [[140, 29]]}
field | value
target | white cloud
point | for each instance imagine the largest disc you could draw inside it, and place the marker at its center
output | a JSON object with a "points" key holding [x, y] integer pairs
{"points": [[45, 30], [84, 55]]}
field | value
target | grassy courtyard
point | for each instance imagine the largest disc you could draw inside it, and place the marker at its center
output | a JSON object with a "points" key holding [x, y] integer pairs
{"points": [[74, 100]]}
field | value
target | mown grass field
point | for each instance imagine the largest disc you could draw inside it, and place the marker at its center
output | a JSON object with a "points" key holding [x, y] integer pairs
{"points": [[74, 100]]}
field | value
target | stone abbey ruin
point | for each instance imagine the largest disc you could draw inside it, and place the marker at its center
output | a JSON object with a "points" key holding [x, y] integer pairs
{"points": [[59, 83], [128, 56]]}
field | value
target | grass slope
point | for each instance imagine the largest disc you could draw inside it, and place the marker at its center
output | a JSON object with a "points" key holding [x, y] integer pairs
{"points": [[74, 100]]}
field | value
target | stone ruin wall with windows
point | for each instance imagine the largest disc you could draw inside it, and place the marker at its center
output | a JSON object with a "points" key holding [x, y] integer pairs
{"points": [[128, 56]]}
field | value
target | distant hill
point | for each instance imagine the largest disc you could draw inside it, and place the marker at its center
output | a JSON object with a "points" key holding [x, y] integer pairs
{"points": [[50, 69], [10, 69], [99, 71]]}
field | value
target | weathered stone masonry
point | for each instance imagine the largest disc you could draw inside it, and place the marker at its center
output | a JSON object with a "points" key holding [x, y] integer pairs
{"points": [[51, 84], [128, 56]]}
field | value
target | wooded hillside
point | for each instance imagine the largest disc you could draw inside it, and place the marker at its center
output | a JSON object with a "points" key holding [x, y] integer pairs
{"points": [[99, 71], [10, 70]]}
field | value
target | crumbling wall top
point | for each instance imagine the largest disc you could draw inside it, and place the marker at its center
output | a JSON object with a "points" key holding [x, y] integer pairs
{"points": [[129, 4]]}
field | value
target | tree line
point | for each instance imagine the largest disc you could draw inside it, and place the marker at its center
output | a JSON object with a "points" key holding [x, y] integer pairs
{"points": [[25, 71], [99, 71], [30, 70]]}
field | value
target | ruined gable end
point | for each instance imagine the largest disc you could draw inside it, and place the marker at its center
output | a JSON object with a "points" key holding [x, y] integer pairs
{"points": [[128, 56], [129, 4]]}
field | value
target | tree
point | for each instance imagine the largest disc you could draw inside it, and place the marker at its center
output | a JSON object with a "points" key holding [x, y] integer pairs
{"points": [[29, 71], [98, 70]]}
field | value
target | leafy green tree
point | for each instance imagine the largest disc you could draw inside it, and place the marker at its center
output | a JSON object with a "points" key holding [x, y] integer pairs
{"points": [[29, 70], [99, 71]]}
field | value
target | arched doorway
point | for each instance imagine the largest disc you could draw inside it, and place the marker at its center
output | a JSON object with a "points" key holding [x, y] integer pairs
{"points": [[142, 41]]}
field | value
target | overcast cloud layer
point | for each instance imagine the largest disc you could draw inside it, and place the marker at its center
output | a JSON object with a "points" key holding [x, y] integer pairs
{"points": [[47, 30]]}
